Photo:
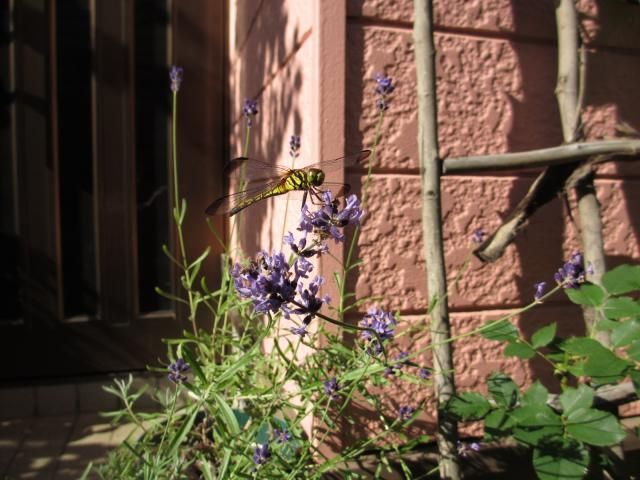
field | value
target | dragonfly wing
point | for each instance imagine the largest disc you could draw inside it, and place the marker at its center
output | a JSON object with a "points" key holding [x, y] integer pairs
{"points": [[340, 162], [252, 170], [337, 189], [225, 204]]}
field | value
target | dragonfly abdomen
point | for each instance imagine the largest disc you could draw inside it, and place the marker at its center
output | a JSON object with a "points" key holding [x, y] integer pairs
{"points": [[280, 189]]}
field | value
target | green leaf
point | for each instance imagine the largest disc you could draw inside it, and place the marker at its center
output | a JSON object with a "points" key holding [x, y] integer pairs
{"points": [[537, 394], [227, 415], [544, 336], [469, 406], [535, 423], [594, 427], [497, 424], [560, 459], [519, 349], [587, 294], [625, 333], [193, 363], [499, 330], [621, 307], [502, 389], [573, 398], [580, 346], [605, 367], [184, 430], [634, 351], [622, 279]]}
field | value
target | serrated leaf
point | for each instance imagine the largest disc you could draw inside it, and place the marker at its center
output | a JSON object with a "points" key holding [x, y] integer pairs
{"points": [[560, 459], [625, 333], [502, 389], [497, 424], [544, 336], [622, 279], [534, 423], [621, 307], [588, 294], [501, 331], [537, 394], [594, 427], [573, 398], [519, 349], [469, 406]]}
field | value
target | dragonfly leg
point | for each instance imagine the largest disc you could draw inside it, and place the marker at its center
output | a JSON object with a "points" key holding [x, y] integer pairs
{"points": [[304, 199]]}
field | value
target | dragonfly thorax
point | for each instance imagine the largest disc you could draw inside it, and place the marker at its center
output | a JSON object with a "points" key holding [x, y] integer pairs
{"points": [[315, 177]]}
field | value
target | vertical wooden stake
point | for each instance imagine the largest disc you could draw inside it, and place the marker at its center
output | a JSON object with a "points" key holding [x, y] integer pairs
{"points": [[430, 170]]}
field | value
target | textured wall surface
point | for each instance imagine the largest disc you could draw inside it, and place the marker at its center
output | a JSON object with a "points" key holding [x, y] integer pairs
{"points": [[496, 72]]}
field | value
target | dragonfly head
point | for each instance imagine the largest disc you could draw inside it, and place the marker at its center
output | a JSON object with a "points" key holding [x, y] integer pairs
{"points": [[315, 177]]}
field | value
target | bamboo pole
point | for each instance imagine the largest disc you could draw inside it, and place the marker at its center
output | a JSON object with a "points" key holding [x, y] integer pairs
{"points": [[430, 170]]}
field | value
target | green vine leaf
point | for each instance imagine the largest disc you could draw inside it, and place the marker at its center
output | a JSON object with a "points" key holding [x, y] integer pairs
{"points": [[469, 406], [561, 458], [501, 331], [588, 294], [519, 349], [537, 394], [544, 336], [621, 307], [622, 279], [534, 423], [574, 398], [594, 427], [503, 390], [497, 424], [625, 333]]}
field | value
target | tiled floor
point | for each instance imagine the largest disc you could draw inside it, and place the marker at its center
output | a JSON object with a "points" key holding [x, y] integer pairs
{"points": [[58, 447], [52, 432]]}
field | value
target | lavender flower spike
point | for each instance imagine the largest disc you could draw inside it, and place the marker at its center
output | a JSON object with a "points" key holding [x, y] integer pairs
{"points": [[250, 109], [177, 370], [294, 146], [261, 454], [384, 86], [405, 412], [478, 235], [572, 273], [540, 289], [331, 388], [175, 76]]}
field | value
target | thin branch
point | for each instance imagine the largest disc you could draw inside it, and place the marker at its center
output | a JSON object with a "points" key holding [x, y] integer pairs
{"points": [[430, 171], [544, 157]]}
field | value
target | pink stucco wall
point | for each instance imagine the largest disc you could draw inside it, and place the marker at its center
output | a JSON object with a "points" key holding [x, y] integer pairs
{"points": [[496, 66]]}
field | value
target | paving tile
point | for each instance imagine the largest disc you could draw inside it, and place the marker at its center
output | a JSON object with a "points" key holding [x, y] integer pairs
{"points": [[17, 402], [93, 398], [56, 399]]}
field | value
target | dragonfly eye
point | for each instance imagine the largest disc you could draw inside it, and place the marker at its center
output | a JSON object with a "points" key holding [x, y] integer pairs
{"points": [[316, 177]]}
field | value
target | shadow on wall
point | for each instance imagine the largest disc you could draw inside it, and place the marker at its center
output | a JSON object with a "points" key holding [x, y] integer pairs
{"points": [[264, 60], [536, 124]]}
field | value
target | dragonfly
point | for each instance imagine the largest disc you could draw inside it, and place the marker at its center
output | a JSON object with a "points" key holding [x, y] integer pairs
{"points": [[270, 180]]}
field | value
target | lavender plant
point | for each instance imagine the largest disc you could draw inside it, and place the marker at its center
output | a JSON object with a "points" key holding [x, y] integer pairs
{"points": [[236, 410]]}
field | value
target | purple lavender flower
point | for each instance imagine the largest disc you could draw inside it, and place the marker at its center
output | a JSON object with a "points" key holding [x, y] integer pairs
{"points": [[384, 87], [267, 281], [177, 370], [300, 247], [331, 388], [478, 235], [300, 331], [250, 109], [540, 289], [294, 146], [261, 454], [398, 362], [329, 219], [405, 412], [281, 436], [424, 373], [572, 273], [175, 76], [382, 323], [464, 449]]}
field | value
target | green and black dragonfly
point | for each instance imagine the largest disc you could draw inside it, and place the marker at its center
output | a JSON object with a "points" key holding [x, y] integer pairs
{"points": [[268, 180]]}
